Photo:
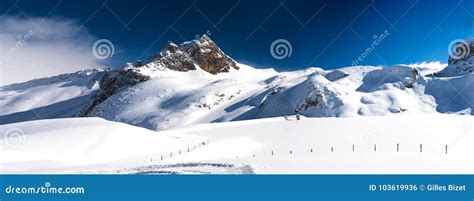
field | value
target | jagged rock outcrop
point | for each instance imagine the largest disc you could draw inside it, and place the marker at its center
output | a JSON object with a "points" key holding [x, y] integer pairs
{"points": [[111, 83], [202, 52], [208, 56], [174, 58]]}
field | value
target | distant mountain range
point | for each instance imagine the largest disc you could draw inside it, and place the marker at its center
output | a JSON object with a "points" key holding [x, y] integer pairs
{"points": [[196, 82]]}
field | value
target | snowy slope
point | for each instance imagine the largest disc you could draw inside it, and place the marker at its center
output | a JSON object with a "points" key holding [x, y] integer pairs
{"points": [[273, 145], [173, 99], [53, 97], [453, 94], [56, 145]]}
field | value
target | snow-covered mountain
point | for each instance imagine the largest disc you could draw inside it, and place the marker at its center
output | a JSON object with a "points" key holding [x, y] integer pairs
{"points": [[196, 82]]}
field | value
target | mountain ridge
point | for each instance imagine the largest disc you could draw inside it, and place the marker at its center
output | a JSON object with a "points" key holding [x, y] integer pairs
{"points": [[195, 82]]}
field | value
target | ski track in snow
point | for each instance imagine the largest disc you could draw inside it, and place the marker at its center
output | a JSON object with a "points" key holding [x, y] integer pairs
{"points": [[183, 168]]}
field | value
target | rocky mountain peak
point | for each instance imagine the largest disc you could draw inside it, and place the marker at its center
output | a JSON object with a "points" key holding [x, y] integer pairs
{"points": [[202, 52], [174, 58], [205, 38], [208, 55]]}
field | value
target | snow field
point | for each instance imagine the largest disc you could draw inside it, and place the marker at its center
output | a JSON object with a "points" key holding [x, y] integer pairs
{"points": [[93, 145]]}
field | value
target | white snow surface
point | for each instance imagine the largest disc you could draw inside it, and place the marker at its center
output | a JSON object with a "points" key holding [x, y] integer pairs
{"points": [[52, 97], [55, 145], [359, 145]]}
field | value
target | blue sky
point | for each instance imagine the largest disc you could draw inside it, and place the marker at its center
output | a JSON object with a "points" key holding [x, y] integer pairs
{"points": [[327, 34]]}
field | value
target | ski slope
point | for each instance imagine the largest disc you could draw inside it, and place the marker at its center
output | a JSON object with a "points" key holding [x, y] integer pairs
{"points": [[318, 145]]}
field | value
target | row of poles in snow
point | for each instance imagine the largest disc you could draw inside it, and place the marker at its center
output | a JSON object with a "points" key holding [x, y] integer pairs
{"points": [[375, 149], [187, 150]]}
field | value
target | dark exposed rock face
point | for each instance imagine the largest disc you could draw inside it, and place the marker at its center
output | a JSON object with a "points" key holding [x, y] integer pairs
{"points": [[111, 83], [174, 58], [202, 52], [208, 56]]}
